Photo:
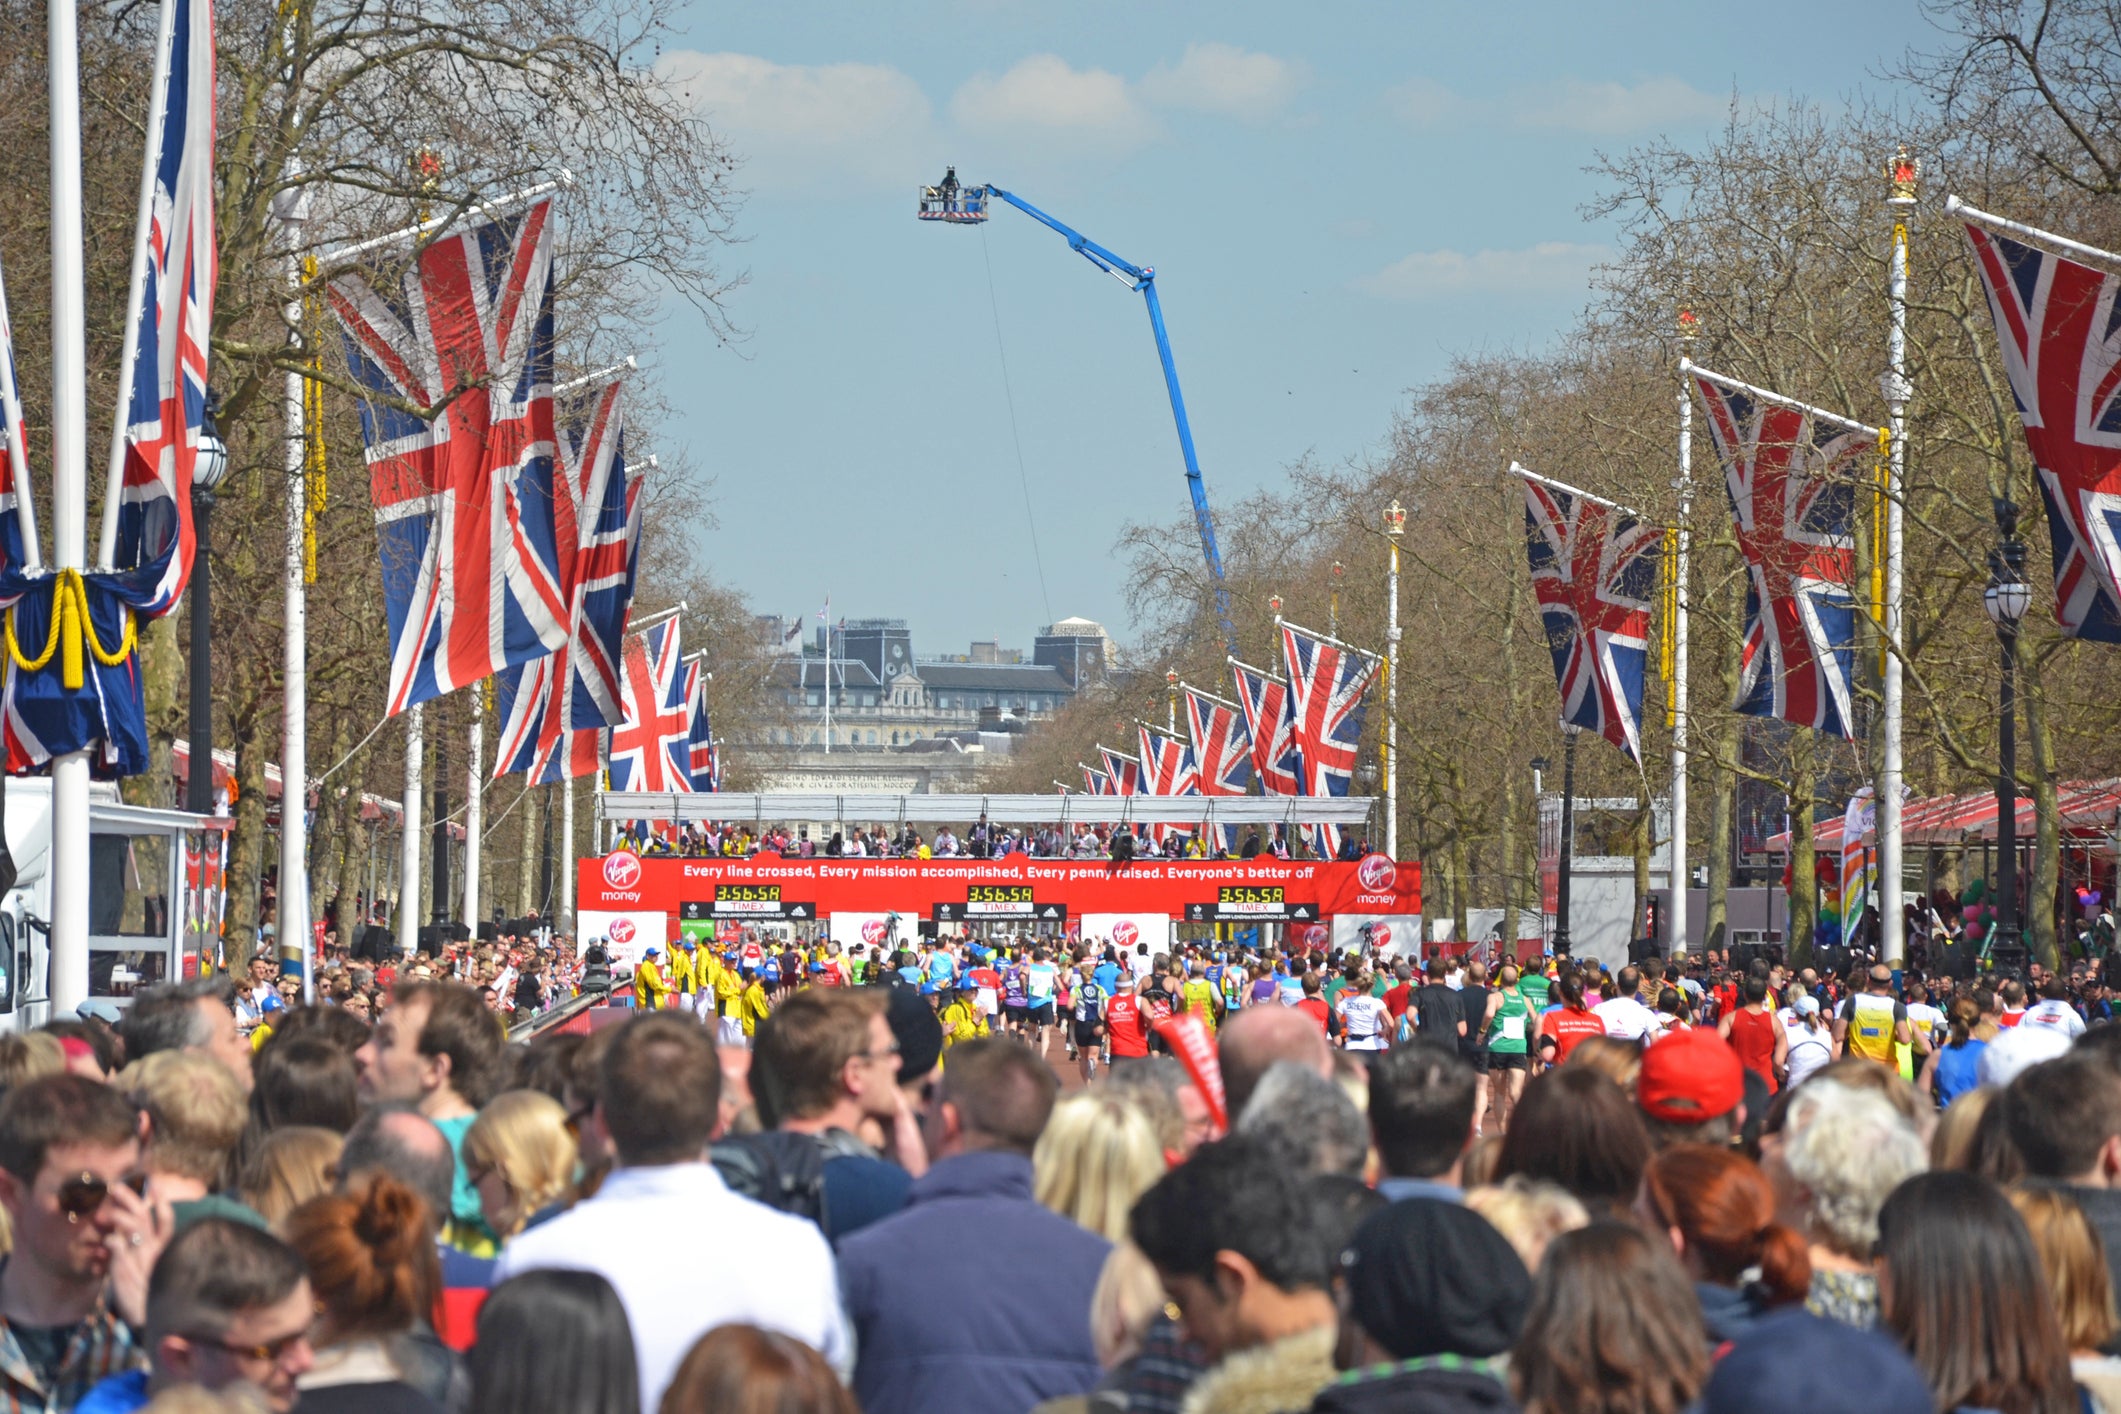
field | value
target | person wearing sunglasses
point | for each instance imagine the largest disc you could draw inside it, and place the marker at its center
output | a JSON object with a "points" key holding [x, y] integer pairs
{"points": [[228, 1304], [74, 1288]]}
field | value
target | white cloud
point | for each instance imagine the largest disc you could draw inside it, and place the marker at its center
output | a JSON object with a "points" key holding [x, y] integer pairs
{"points": [[1045, 95], [1423, 102], [1426, 274], [1602, 109], [1614, 109], [1225, 80], [796, 125]]}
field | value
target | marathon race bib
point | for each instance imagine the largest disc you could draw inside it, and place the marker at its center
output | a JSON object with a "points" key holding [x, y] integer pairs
{"points": [[1509, 1028]]}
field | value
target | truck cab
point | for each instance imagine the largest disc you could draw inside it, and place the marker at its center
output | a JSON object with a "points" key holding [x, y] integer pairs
{"points": [[155, 900]]}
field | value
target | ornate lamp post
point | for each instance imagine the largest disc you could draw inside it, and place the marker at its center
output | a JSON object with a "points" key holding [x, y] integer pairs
{"points": [[1171, 700], [2006, 599], [208, 472]]}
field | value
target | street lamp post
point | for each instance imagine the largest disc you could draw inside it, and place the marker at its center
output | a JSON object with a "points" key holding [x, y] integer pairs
{"points": [[1395, 526], [1569, 732], [2006, 599], [208, 472], [1171, 700]]}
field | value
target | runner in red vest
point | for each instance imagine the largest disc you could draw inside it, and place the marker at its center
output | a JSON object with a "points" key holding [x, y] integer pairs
{"points": [[1126, 1023]]}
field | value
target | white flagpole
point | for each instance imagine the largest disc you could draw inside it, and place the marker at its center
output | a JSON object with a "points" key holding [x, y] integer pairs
{"points": [[1687, 366], [1892, 930], [347, 254], [157, 115], [409, 843], [68, 974], [294, 675], [1676, 875], [475, 806], [1953, 206], [565, 883]]}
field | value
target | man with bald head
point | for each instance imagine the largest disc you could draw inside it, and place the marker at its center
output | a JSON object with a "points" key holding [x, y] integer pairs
{"points": [[1256, 1037]]}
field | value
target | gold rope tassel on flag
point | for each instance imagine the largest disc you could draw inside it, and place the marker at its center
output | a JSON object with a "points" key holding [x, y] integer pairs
{"points": [[314, 471], [1668, 621], [71, 627]]}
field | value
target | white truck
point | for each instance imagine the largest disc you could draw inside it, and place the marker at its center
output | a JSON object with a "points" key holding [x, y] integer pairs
{"points": [[154, 907]]}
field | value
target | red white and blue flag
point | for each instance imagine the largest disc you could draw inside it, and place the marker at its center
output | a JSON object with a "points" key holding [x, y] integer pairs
{"points": [[1270, 724], [164, 406], [705, 758], [1122, 770], [652, 748], [1167, 769], [532, 701], [1594, 569], [1327, 683], [466, 503], [1793, 497], [1222, 748], [1096, 782], [2057, 322], [17, 513]]}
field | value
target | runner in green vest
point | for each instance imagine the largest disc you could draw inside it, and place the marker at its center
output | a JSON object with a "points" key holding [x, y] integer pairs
{"points": [[1509, 1030]]}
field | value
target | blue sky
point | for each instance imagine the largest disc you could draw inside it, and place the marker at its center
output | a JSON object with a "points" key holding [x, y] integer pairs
{"points": [[1336, 198]]}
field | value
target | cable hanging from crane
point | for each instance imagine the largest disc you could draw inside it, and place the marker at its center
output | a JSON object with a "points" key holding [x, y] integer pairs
{"points": [[1023, 477]]}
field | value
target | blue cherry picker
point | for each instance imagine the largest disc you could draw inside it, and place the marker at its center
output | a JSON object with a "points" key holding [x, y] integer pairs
{"points": [[955, 204]]}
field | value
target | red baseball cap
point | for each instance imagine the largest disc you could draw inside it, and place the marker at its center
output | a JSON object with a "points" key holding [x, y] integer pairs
{"points": [[1689, 1077]]}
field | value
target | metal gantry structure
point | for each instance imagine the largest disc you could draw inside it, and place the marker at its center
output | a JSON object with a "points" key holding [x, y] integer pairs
{"points": [[955, 204]]}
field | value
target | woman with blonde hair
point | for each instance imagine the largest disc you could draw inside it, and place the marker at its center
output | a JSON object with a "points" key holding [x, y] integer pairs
{"points": [[1529, 1214], [1097, 1155], [291, 1166], [520, 1157], [2077, 1279]]}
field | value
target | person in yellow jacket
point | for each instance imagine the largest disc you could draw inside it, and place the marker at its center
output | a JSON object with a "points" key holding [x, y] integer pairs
{"points": [[962, 1019], [681, 965], [650, 991], [755, 1006], [728, 987]]}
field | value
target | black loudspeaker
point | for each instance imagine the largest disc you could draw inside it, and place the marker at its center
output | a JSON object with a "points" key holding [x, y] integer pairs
{"points": [[1642, 950], [1744, 954], [430, 939], [488, 933]]}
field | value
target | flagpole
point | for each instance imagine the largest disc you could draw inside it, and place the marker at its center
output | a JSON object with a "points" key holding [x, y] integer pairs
{"points": [[68, 966], [1395, 526], [1953, 206], [294, 672], [567, 870], [347, 254], [828, 674], [1688, 366], [475, 805], [1892, 930], [1676, 872], [409, 842]]}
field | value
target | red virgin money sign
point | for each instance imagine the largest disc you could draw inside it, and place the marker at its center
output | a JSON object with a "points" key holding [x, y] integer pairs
{"points": [[1374, 884]]}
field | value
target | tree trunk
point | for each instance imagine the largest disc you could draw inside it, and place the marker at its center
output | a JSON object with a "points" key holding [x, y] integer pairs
{"points": [[1722, 813], [1459, 886], [532, 797], [1804, 861], [1642, 845], [161, 682]]}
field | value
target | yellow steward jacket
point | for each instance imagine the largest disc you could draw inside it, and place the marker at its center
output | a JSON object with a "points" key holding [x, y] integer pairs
{"points": [[649, 988]]}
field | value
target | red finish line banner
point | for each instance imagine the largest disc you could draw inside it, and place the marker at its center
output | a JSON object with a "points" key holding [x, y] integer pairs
{"points": [[1016, 887]]}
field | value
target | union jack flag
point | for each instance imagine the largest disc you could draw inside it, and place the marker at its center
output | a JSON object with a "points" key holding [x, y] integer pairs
{"points": [[1327, 682], [603, 513], [1594, 568], [1222, 749], [2056, 321], [1122, 770], [1271, 726], [652, 749], [1167, 769], [157, 442], [705, 753], [465, 503], [1097, 782], [1793, 498], [533, 700]]}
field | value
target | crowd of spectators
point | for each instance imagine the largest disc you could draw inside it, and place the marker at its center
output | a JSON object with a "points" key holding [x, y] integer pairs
{"points": [[980, 840]]}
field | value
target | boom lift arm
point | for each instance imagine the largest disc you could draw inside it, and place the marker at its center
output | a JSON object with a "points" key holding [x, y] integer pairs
{"points": [[958, 205]]}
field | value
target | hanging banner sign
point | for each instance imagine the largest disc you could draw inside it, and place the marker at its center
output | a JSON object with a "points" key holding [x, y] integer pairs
{"points": [[1015, 888]]}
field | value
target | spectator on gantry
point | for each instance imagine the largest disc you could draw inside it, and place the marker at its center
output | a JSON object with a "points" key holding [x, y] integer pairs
{"points": [[441, 1050], [927, 1337], [555, 1342], [1421, 1120], [227, 1305], [198, 1015], [74, 1289], [371, 1260], [1433, 1296], [684, 1253], [1243, 1250], [194, 1117], [1839, 1154]]}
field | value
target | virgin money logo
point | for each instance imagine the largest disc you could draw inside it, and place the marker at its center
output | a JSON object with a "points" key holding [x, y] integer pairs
{"points": [[1380, 935], [1125, 933], [1316, 934], [622, 869], [873, 931], [621, 930], [1377, 873]]}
